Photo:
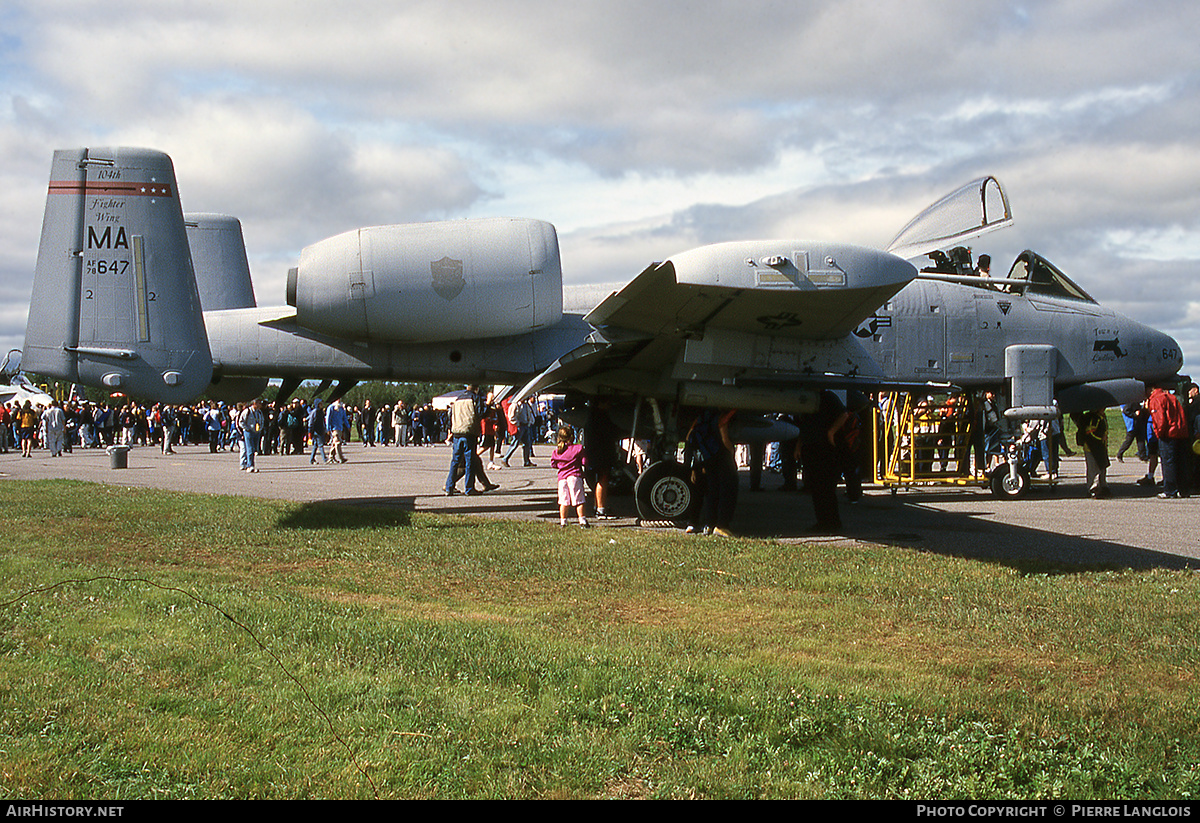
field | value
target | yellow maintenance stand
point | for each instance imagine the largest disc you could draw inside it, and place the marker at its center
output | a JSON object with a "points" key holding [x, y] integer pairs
{"points": [[927, 440]]}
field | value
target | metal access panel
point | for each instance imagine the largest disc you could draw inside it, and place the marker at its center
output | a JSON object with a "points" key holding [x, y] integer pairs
{"points": [[1032, 370]]}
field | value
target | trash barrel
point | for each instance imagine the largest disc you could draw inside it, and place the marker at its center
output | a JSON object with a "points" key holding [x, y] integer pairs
{"points": [[118, 457]]}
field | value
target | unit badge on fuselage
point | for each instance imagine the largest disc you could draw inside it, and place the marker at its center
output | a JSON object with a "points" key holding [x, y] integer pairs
{"points": [[447, 277]]}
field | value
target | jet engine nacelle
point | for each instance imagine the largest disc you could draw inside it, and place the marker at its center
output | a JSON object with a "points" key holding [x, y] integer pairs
{"points": [[431, 282]]}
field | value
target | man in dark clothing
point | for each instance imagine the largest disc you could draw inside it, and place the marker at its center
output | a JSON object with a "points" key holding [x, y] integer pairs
{"points": [[819, 460], [600, 439], [366, 424], [710, 442], [317, 431], [1191, 410]]}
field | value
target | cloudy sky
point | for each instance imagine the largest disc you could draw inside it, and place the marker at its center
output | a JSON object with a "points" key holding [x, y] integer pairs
{"points": [[639, 128]]}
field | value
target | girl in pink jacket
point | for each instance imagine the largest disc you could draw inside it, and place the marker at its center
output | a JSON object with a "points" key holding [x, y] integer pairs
{"points": [[569, 459]]}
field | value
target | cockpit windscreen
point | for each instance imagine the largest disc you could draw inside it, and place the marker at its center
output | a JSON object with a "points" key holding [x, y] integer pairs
{"points": [[1043, 278]]}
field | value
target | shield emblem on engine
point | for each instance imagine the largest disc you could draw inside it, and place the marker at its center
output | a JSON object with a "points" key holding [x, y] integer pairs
{"points": [[447, 277]]}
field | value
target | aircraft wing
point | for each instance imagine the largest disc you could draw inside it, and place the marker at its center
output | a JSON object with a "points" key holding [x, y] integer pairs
{"points": [[593, 358], [786, 288], [741, 324]]}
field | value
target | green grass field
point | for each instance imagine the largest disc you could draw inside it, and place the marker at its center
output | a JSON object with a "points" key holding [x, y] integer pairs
{"points": [[181, 646]]}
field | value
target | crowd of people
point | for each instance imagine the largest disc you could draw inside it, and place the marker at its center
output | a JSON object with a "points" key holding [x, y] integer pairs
{"points": [[287, 429], [485, 435], [478, 425], [1165, 427]]}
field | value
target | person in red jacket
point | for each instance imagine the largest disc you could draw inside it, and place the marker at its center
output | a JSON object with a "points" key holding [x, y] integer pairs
{"points": [[1171, 429]]}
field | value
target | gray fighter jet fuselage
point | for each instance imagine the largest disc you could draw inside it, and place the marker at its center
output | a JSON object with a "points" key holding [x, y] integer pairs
{"points": [[123, 276], [978, 333]]}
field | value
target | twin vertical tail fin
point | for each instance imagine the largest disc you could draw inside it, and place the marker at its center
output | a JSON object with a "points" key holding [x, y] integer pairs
{"points": [[114, 302], [219, 261]]}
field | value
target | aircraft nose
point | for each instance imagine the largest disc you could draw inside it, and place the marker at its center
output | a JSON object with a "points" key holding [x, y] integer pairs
{"points": [[1166, 352]]}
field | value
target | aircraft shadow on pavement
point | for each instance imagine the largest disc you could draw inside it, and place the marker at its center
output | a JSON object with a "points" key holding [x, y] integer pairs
{"points": [[910, 522]]}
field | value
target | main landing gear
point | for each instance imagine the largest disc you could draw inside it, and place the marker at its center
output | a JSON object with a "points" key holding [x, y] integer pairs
{"points": [[665, 492]]}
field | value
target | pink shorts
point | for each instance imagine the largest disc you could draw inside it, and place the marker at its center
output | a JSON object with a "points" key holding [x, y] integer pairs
{"points": [[570, 491]]}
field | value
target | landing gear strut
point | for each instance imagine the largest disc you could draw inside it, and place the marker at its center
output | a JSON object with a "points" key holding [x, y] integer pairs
{"points": [[1010, 479]]}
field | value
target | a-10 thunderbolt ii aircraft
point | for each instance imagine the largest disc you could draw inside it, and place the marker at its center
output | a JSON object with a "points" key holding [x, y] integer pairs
{"points": [[131, 294]]}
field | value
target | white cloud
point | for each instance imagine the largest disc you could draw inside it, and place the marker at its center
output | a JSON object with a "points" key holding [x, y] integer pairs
{"points": [[1160, 244]]}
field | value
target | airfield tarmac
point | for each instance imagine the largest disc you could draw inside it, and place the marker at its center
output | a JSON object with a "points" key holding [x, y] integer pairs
{"points": [[1060, 526]]}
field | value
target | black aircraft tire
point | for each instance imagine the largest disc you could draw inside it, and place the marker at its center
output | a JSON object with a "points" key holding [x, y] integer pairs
{"points": [[1004, 486], [664, 492]]}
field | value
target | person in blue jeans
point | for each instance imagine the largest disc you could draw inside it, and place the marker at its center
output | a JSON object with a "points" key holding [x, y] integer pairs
{"points": [[465, 414], [316, 431]]}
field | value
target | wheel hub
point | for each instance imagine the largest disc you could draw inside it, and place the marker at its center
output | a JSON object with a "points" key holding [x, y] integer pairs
{"points": [[671, 497]]}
